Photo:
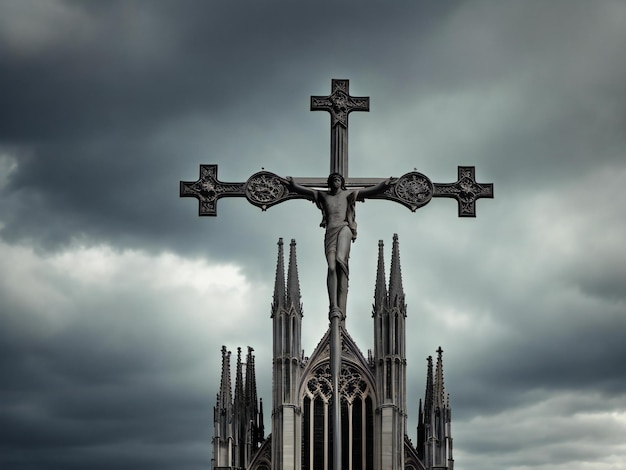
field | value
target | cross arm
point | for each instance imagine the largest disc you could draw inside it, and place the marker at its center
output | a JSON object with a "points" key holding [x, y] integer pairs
{"points": [[415, 190], [208, 189], [374, 189], [465, 190], [263, 189]]}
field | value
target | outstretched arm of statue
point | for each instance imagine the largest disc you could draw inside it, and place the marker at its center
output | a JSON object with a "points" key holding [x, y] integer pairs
{"points": [[375, 189], [298, 188]]}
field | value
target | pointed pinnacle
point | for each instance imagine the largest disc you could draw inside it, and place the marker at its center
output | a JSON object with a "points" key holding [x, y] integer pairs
{"points": [[396, 291], [439, 387], [250, 386], [293, 283], [261, 424], [238, 381], [279, 282], [380, 290], [428, 396], [225, 395]]}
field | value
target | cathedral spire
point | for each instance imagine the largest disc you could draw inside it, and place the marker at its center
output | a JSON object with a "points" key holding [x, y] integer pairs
{"points": [[239, 413], [222, 413], [225, 395], [421, 432], [439, 389], [252, 411], [279, 282], [286, 358], [396, 291], [239, 392], [293, 283], [250, 387], [428, 396], [380, 291], [261, 422], [434, 437]]}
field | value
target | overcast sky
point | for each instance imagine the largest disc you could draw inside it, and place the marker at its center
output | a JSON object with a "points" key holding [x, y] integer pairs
{"points": [[115, 297]]}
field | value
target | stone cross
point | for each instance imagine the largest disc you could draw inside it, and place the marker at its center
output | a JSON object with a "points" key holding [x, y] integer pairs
{"points": [[265, 189]]}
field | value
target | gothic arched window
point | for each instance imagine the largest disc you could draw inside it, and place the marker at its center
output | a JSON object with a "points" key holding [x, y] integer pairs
{"points": [[357, 420]]}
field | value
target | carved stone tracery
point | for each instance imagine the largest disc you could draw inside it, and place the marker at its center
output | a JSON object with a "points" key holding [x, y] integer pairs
{"points": [[264, 189], [351, 384], [414, 189], [208, 189], [465, 190], [339, 103]]}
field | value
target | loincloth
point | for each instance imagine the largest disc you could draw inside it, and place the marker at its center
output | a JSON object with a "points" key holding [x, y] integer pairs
{"points": [[331, 239]]}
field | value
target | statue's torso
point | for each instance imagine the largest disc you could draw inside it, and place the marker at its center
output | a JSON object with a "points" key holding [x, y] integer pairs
{"points": [[335, 207]]}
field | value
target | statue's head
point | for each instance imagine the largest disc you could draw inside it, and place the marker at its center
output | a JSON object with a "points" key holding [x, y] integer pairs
{"points": [[334, 176]]}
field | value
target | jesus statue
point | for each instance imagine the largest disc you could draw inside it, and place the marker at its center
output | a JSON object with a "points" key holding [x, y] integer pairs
{"points": [[337, 206]]}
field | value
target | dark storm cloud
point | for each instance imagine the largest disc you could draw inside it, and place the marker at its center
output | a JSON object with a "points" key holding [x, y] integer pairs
{"points": [[86, 111], [142, 63], [101, 403], [581, 358]]}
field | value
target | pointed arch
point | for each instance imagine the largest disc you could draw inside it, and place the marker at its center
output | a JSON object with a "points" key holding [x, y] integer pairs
{"points": [[358, 404]]}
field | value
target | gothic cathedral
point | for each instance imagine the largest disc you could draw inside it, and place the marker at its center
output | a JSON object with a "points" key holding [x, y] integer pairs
{"points": [[372, 389]]}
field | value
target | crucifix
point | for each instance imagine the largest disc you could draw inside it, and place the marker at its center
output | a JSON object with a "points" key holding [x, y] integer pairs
{"points": [[265, 189]]}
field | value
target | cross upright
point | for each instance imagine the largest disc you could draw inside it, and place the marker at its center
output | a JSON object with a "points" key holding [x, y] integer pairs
{"points": [[339, 104], [265, 189]]}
